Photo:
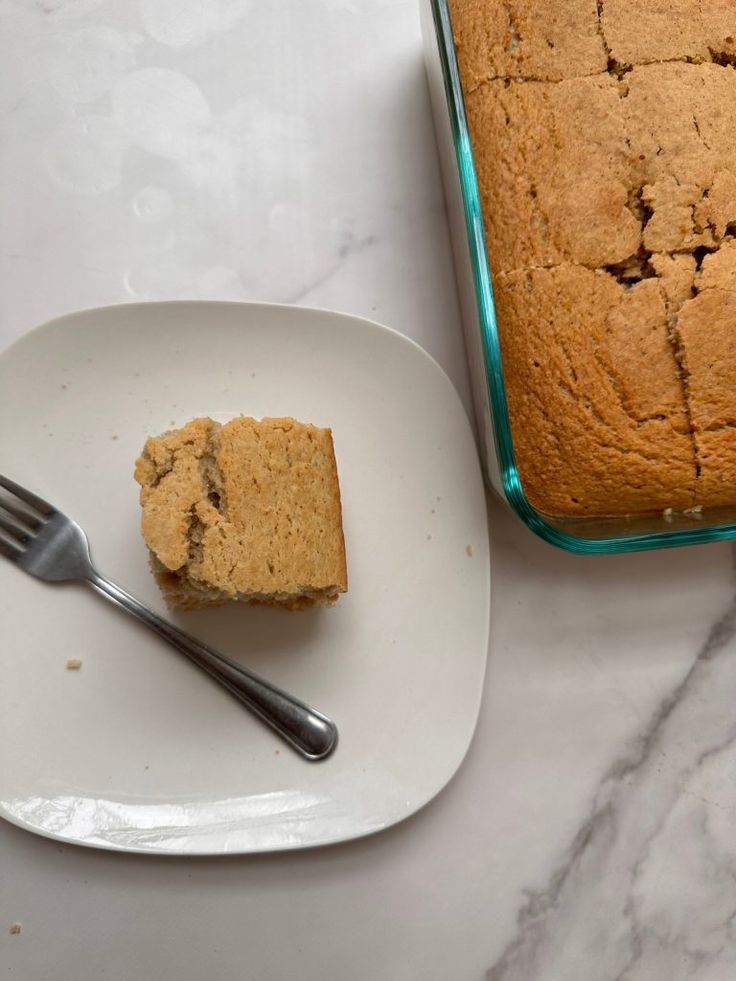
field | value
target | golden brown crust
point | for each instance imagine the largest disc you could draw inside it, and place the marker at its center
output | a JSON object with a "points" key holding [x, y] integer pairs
{"points": [[706, 332], [548, 194], [595, 398], [246, 511], [515, 39], [667, 30], [676, 275], [606, 164]]}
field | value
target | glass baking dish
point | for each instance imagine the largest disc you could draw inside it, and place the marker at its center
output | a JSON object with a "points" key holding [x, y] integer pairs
{"points": [[586, 535]]}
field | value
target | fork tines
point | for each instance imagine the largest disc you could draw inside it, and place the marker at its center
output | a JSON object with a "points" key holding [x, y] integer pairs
{"points": [[43, 508], [21, 515]]}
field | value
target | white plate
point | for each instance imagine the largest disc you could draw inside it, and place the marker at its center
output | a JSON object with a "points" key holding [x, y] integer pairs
{"points": [[137, 750]]}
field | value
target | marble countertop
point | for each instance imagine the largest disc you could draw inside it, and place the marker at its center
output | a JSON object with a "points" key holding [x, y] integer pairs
{"points": [[155, 149]]}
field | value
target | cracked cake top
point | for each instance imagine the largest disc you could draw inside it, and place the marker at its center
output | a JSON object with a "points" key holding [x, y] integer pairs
{"points": [[606, 159]]}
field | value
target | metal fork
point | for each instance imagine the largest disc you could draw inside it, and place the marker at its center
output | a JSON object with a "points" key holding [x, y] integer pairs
{"points": [[50, 546]]}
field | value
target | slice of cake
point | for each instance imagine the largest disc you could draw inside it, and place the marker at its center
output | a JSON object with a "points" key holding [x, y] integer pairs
{"points": [[247, 511]]}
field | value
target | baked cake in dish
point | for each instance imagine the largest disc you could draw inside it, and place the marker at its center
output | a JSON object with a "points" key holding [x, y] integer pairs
{"points": [[605, 151]]}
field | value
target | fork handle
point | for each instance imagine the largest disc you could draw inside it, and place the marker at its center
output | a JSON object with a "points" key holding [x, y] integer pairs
{"points": [[304, 728]]}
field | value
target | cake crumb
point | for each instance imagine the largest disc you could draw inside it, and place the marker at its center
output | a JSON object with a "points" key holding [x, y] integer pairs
{"points": [[65, 386], [114, 436], [668, 515], [15, 929], [73, 664], [469, 550], [429, 538]]}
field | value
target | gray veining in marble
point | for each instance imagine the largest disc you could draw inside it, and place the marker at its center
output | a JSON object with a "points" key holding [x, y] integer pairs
{"points": [[609, 910]]}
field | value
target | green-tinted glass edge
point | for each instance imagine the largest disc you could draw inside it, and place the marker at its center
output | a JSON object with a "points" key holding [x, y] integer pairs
{"points": [[491, 347]]}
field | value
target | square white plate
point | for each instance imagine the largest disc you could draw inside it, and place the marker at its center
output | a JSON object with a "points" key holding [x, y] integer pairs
{"points": [[137, 750]]}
